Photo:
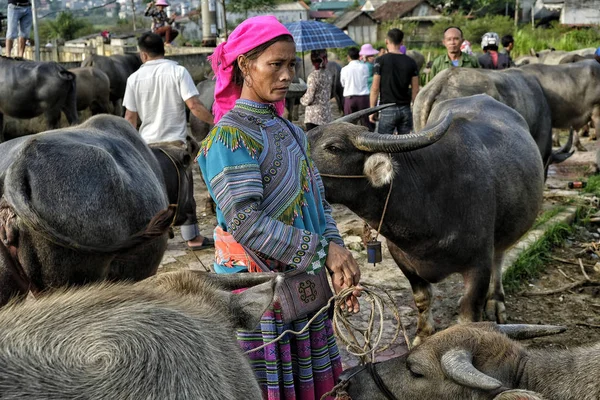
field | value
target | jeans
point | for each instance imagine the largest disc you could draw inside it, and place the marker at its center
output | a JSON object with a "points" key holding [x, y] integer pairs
{"points": [[395, 117], [21, 17]]}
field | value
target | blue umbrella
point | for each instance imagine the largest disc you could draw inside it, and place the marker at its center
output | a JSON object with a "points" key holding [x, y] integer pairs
{"points": [[313, 35]]}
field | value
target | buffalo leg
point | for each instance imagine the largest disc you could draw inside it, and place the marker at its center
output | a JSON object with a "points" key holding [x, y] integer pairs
{"points": [[422, 295], [495, 308], [52, 119], [596, 121], [477, 283], [1, 127], [555, 138]]}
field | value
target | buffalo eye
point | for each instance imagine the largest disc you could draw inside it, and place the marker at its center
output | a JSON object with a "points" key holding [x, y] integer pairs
{"points": [[332, 148]]}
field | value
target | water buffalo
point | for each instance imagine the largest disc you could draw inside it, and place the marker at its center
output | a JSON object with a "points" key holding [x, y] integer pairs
{"points": [[93, 90], [455, 206], [29, 89], [479, 361], [199, 128], [80, 204], [512, 87], [418, 57], [118, 68], [572, 91], [170, 337]]}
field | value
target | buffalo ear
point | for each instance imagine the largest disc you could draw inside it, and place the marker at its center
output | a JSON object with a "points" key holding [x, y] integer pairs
{"points": [[518, 394], [379, 169], [248, 307]]}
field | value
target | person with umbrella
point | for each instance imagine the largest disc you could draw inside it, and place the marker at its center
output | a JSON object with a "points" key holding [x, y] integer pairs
{"points": [[270, 203], [316, 98]]}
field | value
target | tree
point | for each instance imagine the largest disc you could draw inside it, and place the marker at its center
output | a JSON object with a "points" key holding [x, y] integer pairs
{"points": [[66, 26], [244, 6], [480, 7]]}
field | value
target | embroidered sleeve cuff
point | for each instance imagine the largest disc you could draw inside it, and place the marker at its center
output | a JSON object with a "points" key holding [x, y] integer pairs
{"points": [[318, 260]]}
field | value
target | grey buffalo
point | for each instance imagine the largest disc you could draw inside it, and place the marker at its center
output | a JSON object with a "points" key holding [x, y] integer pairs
{"points": [[170, 337], [93, 90], [512, 87], [199, 128], [572, 91], [118, 68], [29, 89], [455, 206], [80, 204], [479, 362]]}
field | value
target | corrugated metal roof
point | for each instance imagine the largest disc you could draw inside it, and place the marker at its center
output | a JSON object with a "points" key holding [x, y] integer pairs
{"points": [[346, 18], [321, 14], [334, 5], [395, 9]]}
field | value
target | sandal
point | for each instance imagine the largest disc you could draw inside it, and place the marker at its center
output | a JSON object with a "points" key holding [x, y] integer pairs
{"points": [[206, 243]]}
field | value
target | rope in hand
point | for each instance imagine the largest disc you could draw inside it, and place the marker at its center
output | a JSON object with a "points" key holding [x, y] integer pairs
{"points": [[348, 338], [369, 342]]}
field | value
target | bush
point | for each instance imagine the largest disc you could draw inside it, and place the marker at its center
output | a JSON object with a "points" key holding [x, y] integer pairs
{"points": [[558, 36]]}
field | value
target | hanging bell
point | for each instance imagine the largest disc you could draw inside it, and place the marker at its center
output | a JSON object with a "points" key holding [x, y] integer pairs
{"points": [[374, 252]]}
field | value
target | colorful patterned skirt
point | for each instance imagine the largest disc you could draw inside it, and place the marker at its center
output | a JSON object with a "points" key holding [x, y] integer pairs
{"points": [[302, 367]]}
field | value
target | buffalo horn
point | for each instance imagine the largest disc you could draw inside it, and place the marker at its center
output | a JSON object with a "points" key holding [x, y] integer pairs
{"points": [[457, 364], [523, 331], [375, 142], [359, 114]]}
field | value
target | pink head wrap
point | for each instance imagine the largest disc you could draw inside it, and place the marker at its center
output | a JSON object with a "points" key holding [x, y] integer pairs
{"points": [[248, 35]]}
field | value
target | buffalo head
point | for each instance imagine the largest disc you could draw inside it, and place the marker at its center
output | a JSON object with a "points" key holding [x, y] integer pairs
{"points": [[471, 361], [341, 149]]}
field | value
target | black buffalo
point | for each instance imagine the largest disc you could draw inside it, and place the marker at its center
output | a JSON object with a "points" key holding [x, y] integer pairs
{"points": [[80, 204], [455, 206], [118, 68], [29, 89]]}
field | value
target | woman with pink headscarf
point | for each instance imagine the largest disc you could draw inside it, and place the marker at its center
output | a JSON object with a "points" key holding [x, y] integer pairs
{"points": [[270, 202]]}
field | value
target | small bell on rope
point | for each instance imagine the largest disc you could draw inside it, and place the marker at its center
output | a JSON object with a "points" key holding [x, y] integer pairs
{"points": [[374, 251]]}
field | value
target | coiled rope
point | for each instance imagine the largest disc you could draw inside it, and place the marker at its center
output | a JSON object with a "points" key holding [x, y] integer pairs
{"points": [[363, 343]]}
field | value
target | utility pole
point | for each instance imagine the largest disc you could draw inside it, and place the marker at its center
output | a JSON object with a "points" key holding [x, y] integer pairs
{"points": [[36, 35], [516, 12], [209, 22], [133, 12]]}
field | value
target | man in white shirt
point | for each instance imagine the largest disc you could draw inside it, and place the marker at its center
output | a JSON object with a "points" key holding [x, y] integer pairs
{"points": [[158, 93], [354, 78]]}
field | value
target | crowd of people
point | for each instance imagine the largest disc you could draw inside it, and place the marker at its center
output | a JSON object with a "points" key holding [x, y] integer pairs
{"points": [[388, 75]]}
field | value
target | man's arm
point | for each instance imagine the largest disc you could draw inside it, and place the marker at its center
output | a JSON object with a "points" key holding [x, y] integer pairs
{"points": [[374, 95], [132, 118], [414, 83], [198, 109], [375, 90]]}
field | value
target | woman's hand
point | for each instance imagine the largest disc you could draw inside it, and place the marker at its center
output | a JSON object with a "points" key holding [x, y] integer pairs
{"points": [[345, 273]]}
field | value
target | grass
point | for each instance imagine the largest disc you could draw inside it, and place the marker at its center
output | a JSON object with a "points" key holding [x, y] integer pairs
{"points": [[533, 260], [545, 217], [593, 185]]}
